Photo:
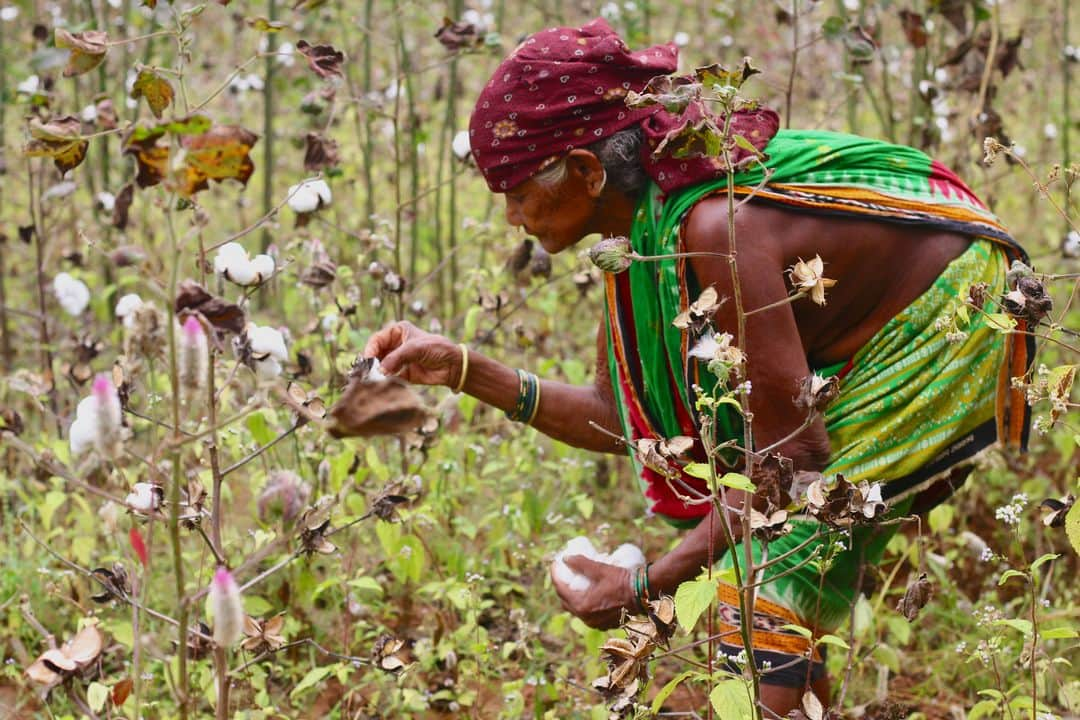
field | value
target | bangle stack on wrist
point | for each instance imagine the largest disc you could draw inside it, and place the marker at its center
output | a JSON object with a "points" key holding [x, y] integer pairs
{"points": [[639, 586], [528, 400]]}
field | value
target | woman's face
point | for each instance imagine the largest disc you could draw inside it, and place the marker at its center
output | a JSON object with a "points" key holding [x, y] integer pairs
{"points": [[561, 215]]}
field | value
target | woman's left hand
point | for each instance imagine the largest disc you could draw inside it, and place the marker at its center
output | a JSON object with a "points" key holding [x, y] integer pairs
{"points": [[601, 605]]}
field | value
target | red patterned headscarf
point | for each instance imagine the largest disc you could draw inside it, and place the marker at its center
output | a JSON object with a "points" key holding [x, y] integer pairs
{"points": [[565, 88]]}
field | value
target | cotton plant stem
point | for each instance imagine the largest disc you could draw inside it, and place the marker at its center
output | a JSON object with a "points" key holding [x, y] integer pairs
{"points": [[268, 129], [39, 261], [369, 120], [259, 451], [779, 303], [414, 158], [177, 476], [1066, 112], [794, 69]]}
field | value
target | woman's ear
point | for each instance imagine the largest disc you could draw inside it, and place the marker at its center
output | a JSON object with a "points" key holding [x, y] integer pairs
{"points": [[586, 166]]}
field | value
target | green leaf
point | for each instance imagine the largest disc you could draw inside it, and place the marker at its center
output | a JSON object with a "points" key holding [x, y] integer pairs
{"points": [[691, 599], [97, 695], [256, 606], [798, 630], [731, 700], [366, 584], [49, 505], [887, 656], [737, 481], [260, 430], [833, 27], [1059, 633], [1001, 322], [1009, 575], [665, 692], [1022, 626], [833, 640], [376, 464], [698, 470], [313, 677], [1044, 559], [1072, 521], [981, 709]]}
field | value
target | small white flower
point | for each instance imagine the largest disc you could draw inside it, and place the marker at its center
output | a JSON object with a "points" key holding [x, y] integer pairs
{"points": [[73, 294], [284, 55], [309, 196], [89, 113], [1050, 131], [460, 145], [681, 39], [232, 263], [9, 13]]}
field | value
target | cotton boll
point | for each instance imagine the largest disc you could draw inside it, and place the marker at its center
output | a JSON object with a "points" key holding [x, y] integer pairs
{"points": [[143, 498], [461, 145], [309, 196], [267, 341], [263, 265], [563, 573], [29, 86], [81, 433], [267, 369], [73, 294], [626, 556], [126, 307], [97, 424]]}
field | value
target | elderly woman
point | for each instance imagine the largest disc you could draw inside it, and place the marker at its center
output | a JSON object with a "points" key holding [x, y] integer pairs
{"points": [[919, 396]]}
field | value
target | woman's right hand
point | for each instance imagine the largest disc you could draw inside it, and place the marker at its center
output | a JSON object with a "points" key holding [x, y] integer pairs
{"points": [[416, 356]]}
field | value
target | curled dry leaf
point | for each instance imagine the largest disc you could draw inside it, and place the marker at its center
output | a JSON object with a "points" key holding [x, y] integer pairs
{"points": [[122, 206], [87, 50], [319, 274], [324, 60], [320, 152], [58, 139], [225, 316], [657, 454], [459, 35], [915, 597], [1028, 300], [374, 404]]}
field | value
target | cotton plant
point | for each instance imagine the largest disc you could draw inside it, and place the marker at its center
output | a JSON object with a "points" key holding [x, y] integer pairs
{"points": [[233, 263], [227, 607], [627, 555], [126, 307], [72, 294]]}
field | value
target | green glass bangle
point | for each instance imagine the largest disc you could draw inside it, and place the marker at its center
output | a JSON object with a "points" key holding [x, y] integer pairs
{"points": [[528, 398]]}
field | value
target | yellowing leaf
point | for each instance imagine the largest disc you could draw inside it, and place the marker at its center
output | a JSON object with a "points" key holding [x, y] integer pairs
{"points": [[1072, 526], [87, 50], [1001, 322], [58, 139], [156, 89]]}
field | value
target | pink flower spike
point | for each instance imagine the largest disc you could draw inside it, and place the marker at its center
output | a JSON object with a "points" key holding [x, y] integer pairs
{"points": [[227, 607], [192, 329], [103, 388], [224, 580]]}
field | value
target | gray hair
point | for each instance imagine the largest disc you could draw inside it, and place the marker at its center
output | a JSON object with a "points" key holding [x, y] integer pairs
{"points": [[619, 155]]}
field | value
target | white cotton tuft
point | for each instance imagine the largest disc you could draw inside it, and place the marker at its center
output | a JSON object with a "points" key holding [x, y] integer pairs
{"points": [[232, 263], [73, 294], [627, 556], [461, 145], [143, 498], [309, 196], [126, 307], [268, 350], [98, 421]]}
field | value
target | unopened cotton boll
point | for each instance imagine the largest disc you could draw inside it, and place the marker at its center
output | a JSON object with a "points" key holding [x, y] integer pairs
{"points": [[227, 607], [461, 145], [73, 294], [309, 196]]}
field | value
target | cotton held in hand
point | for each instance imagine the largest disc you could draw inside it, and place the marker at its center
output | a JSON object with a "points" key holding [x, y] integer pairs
{"points": [[625, 556]]}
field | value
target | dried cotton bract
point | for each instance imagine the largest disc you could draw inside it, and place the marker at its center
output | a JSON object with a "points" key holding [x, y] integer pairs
{"points": [[97, 423], [233, 264], [808, 277]]}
